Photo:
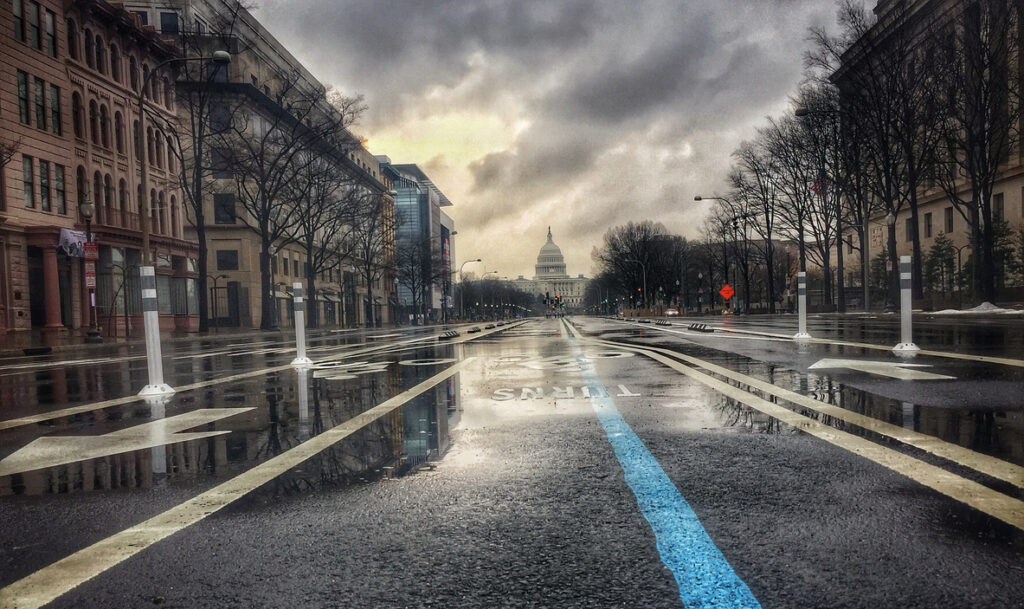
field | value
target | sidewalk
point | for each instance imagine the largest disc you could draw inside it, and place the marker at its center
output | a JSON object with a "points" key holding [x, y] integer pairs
{"points": [[39, 342]]}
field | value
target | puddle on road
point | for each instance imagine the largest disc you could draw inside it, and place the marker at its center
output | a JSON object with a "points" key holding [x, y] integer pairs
{"points": [[994, 431], [288, 407]]}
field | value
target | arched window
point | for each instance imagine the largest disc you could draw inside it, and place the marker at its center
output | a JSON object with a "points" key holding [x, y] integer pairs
{"points": [[72, 39], [94, 123], [174, 217], [119, 132], [76, 115], [80, 184], [159, 152], [122, 201], [137, 140], [168, 102], [170, 154], [138, 200], [150, 148], [104, 126], [133, 73], [97, 193], [108, 197], [89, 59], [115, 63], [101, 56], [145, 77]]}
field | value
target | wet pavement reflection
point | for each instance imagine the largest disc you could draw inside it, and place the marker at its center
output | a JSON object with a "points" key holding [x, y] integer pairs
{"points": [[982, 411], [260, 417]]}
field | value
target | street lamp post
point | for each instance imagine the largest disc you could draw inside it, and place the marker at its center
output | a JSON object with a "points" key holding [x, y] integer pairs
{"points": [[462, 287], [87, 209], [147, 274], [890, 270]]}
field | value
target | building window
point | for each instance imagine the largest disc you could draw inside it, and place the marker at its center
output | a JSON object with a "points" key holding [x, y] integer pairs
{"points": [[27, 181], [220, 163], [133, 73], [35, 37], [72, 39], [94, 123], [143, 16], [18, 8], [59, 191], [948, 219], [51, 33], [23, 97], [169, 23], [997, 207], [101, 56], [115, 63], [928, 225], [227, 260], [55, 122], [76, 115], [89, 58], [105, 126], [39, 97], [295, 267], [910, 229], [119, 132], [44, 185], [273, 265], [224, 208]]}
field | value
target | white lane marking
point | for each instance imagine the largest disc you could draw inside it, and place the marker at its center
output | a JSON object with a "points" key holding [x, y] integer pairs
{"points": [[49, 583], [897, 370], [50, 451], [988, 465], [130, 399], [978, 496]]}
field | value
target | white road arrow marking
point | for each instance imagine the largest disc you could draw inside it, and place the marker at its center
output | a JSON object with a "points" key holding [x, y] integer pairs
{"points": [[52, 451], [897, 370]]}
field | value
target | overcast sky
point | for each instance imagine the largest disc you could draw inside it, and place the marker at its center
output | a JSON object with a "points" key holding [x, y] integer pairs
{"points": [[579, 114]]}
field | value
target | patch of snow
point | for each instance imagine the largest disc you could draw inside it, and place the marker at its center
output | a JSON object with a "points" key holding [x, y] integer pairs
{"points": [[986, 308]]}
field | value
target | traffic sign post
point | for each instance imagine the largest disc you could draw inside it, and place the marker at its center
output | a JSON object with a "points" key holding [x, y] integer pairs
{"points": [[801, 297]]}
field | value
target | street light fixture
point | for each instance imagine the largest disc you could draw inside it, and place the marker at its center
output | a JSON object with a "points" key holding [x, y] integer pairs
{"points": [[462, 288], [87, 209]]}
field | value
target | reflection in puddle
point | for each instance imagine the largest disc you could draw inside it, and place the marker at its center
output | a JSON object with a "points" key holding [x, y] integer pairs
{"points": [[289, 407]]}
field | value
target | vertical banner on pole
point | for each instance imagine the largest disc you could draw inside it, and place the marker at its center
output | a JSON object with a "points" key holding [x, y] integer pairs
{"points": [[801, 298], [906, 345], [151, 321], [300, 327]]}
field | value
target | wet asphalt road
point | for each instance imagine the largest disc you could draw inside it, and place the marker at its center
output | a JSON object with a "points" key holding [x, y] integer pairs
{"points": [[500, 487]]}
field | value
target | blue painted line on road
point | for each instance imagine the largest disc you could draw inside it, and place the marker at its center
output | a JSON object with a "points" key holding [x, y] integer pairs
{"points": [[704, 576]]}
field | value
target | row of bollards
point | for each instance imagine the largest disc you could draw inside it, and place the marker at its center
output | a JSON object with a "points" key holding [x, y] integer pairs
{"points": [[906, 345]]}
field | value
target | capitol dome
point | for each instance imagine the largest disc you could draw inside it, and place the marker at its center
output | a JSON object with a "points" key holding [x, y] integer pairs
{"points": [[550, 262]]}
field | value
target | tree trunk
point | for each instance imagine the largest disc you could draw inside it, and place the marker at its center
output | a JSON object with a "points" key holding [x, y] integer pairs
{"points": [[268, 317], [202, 261], [769, 254], [894, 274], [988, 272], [840, 270], [865, 262], [917, 283]]}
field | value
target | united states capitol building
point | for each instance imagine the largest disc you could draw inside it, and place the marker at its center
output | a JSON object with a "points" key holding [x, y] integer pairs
{"points": [[551, 278]]}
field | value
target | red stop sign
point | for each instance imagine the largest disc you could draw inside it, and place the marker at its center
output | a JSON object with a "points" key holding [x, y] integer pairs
{"points": [[727, 292]]}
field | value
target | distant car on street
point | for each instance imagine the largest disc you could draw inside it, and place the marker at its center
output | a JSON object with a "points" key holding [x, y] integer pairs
{"points": [[671, 312]]}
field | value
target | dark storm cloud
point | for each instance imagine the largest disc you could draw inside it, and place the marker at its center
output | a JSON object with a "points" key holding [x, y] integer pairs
{"points": [[627, 108]]}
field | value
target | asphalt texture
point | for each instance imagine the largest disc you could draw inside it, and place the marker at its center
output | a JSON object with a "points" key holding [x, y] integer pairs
{"points": [[529, 507]]}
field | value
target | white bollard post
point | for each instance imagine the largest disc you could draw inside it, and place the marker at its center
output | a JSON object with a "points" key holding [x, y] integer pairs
{"points": [[801, 299], [151, 321], [300, 327], [906, 345]]}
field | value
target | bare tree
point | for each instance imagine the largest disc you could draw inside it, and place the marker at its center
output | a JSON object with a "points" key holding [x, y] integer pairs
{"points": [[755, 180], [981, 110], [373, 253], [418, 268], [268, 151], [324, 200]]}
